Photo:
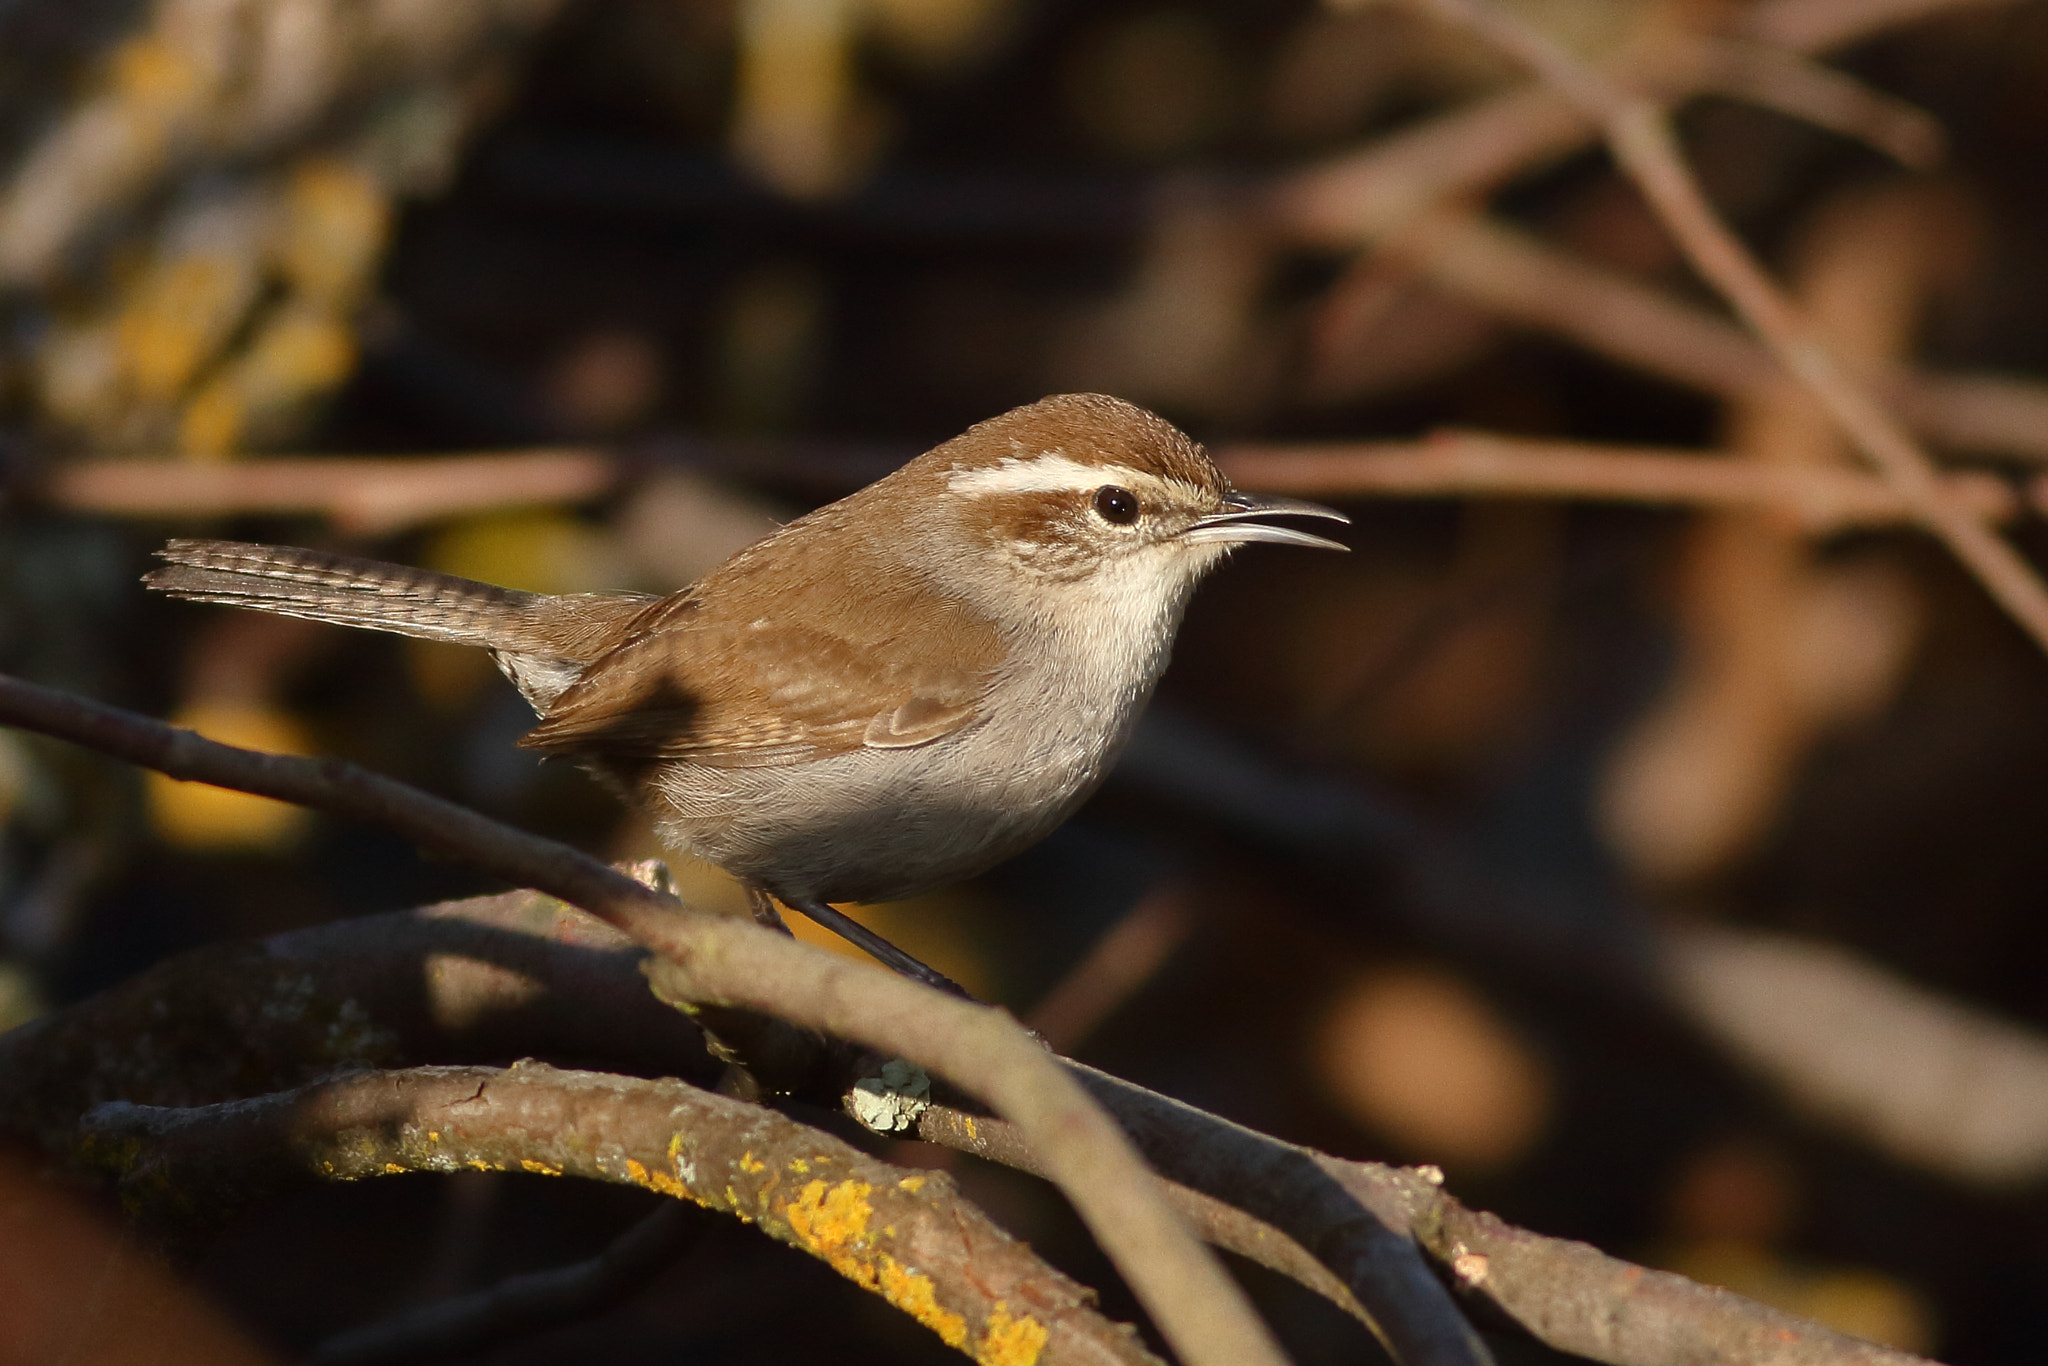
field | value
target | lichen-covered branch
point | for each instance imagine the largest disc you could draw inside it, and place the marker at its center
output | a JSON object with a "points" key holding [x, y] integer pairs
{"points": [[504, 976], [1203, 1314], [483, 980], [906, 1236]]}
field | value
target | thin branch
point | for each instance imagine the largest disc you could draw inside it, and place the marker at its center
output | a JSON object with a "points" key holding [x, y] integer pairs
{"points": [[1358, 196], [1218, 1222], [906, 1236], [1816, 25], [1478, 146], [1524, 279], [1115, 967], [1568, 1295], [520, 1305], [365, 495], [1578, 1299], [1476, 464], [1639, 134], [1769, 76], [1202, 1313]]}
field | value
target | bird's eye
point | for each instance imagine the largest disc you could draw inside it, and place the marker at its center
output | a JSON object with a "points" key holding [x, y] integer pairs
{"points": [[1118, 506]]}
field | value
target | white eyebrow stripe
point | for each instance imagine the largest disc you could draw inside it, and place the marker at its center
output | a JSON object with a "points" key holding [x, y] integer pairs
{"points": [[1043, 473]]}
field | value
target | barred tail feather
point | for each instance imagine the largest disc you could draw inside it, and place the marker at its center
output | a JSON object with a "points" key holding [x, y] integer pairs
{"points": [[344, 590]]}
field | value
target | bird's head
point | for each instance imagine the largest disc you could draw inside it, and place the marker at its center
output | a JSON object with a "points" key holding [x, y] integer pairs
{"points": [[1082, 488]]}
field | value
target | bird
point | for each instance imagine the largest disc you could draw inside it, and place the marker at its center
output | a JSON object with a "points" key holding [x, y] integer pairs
{"points": [[889, 694]]}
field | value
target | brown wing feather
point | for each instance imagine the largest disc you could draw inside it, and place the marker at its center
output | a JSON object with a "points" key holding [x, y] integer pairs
{"points": [[742, 673]]}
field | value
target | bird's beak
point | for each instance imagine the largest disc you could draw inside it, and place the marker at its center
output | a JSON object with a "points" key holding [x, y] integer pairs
{"points": [[1244, 519]]}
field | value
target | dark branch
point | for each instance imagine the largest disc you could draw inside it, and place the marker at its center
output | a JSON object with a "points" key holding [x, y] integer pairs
{"points": [[484, 980], [1566, 1294], [1201, 1311], [519, 1305]]}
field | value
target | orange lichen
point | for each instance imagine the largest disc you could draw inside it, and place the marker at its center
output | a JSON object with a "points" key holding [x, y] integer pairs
{"points": [[750, 1164], [913, 1184], [1011, 1341], [831, 1219], [660, 1182], [913, 1293], [539, 1168]]}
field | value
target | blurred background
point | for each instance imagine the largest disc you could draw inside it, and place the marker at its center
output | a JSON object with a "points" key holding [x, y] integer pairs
{"points": [[1672, 876]]}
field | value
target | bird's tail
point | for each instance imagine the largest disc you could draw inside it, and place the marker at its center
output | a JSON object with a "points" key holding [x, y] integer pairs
{"points": [[346, 591]]}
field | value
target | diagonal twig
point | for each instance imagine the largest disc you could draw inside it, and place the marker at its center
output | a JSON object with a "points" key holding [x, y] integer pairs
{"points": [[1567, 1295], [1639, 134], [519, 1305]]}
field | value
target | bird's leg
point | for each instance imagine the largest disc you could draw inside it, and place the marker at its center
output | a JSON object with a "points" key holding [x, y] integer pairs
{"points": [[763, 907], [861, 937]]}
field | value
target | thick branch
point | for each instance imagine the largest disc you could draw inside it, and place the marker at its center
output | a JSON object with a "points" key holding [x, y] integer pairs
{"points": [[487, 993], [483, 980], [1203, 1314], [907, 1237]]}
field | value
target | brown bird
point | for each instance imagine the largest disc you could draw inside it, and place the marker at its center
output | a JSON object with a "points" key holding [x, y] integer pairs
{"points": [[892, 693]]}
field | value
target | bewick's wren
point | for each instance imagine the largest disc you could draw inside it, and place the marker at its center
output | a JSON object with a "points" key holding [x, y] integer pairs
{"points": [[894, 692]]}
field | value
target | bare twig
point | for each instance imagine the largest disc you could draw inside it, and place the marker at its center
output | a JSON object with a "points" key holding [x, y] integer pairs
{"points": [[519, 1305], [1640, 136], [907, 1237], [1770, 76], [1200, 1310], [1578, 1299], [1567, 1295], [1476, 464], [365, 495], [1480, 145], [1816, 25], [1525, 280], [1115, 966]]}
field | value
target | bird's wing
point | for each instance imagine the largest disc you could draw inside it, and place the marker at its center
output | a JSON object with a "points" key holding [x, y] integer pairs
{"points": [[727, 692]]}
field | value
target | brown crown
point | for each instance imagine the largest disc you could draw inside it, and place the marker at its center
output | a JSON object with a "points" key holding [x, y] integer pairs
{"points": [[1093, 429]]}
